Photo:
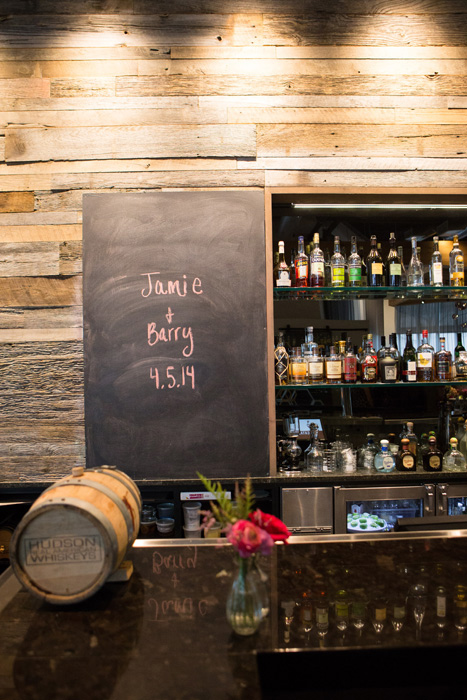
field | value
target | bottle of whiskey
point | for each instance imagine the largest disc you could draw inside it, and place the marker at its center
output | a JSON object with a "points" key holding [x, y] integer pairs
{"points": [[333, 367], [409, 360], [337, 265], [374, 266], [297, 367], [301, 265], [443, 362], [388, 365], [433, 459], [393, 264], [316, 264], [315, 367], [354, 264], [425, 360], [281, 361], [405, 460], [456, 264], [350, 364], [281, 269], [369, 362], [436, 265]]}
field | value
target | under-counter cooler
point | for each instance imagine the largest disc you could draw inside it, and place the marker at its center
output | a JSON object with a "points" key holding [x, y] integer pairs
{"points": [[367, 509]]}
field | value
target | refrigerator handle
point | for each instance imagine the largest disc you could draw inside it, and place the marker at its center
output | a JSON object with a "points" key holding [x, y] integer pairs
{"points": [[443, 501], [430, 500]]}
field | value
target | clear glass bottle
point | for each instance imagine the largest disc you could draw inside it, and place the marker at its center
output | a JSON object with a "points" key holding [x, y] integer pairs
{"points": [[384, 460], [297, 367], [309, 344], [350, 364], [316, 264], [405, 460], [456, 264], [313, 453], [281, 269], [337, 265], [433, 459], [400, 254], [369, 362], [425, 360], [281, 361], [374, 266], [315, 367], [301, 265], [333, 367], [453, 459], [354, 264], [443, 362], [436, 265], [393, 264], [415, 269], [409, 360], [366, 454]]}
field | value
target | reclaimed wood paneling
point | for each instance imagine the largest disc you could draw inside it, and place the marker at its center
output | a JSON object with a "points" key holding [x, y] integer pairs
{"points": [[132, 95], [130, 142]]}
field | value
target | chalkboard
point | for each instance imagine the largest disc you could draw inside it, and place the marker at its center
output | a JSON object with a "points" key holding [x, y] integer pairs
{"points": [[175, 333]]}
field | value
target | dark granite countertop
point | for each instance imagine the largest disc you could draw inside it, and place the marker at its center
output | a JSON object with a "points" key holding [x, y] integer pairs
{"points": [[164, 635]]}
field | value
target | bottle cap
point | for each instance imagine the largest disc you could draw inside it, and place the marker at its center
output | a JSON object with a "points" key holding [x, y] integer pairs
{"points": [[453, 441], [405, 441], [410, 426], [384, 443]]}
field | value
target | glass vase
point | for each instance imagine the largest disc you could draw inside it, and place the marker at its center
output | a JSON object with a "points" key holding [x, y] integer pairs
{"points": [[244, 605]]}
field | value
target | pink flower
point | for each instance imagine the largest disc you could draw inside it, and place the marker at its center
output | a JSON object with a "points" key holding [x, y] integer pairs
{"points": [[249, 539], [272, 525]]}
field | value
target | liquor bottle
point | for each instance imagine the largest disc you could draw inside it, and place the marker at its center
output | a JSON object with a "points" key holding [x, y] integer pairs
{"points": [[393, 448], [354, 265], [382, 348], [309, 344], [364, 269], [393, 264], [341, 610], [413, 440], [292, 267], [297, 367], [316, 264], [441, 606], [395, 351], [327, 269], [433, 459], [453, 459], [281, 269], [369, 362], [374, 266], [436, 265], [443, 362], [388, 365], [461, 366], [425, 357], [322, 618], [415, 269], [400, 254], [337, 265], [333, 367], [366, 454], [409, 360], [350, 364], [301, 265], [384, 461], [281, 361], [456, 264], [405, 460], [315, 367], [341, 354], [459, 346], [313, 453]]}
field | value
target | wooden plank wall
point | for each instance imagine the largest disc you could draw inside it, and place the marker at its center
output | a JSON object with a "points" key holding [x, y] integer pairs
{"points": [[132, 95]]}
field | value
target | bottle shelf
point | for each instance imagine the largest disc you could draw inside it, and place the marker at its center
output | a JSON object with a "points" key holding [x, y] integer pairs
{"points": [[425, 293], [366, 385]]}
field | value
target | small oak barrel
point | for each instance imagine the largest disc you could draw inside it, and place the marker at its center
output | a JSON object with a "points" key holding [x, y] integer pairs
{"points": [[76, 534]]}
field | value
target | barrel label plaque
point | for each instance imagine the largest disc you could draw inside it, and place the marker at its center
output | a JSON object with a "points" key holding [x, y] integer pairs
{"points": [[66, 549]]}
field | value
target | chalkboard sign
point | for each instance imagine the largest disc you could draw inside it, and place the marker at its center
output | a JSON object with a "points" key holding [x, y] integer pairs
{"points": [[175, 333]]}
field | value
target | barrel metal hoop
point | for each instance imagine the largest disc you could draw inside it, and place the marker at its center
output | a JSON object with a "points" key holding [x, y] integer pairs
{"points": [[124, 479], [107, 492]]}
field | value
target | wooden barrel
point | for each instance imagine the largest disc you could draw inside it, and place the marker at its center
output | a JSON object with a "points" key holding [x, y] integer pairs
{"points": [[76, 534]]}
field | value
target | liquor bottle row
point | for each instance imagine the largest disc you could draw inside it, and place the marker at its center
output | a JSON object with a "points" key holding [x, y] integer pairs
{"points": [[347, 364], [320, 270], [381, 609], [405, 455]]}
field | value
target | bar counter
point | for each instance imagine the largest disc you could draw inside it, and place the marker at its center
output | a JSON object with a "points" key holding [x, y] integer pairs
{"points": [[164, 634]]}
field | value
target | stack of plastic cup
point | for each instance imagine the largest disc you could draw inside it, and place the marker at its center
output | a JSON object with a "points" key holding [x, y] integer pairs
{"points": [[191, 514]]}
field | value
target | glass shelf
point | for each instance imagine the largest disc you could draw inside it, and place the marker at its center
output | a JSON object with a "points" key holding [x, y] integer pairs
{"points": [[340, 293], [360, 385]]}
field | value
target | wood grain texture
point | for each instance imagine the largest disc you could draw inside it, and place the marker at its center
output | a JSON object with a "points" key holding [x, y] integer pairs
{"points": [[130, 142], [67, 318], [40, 291], [16, 201], [29, 259]]}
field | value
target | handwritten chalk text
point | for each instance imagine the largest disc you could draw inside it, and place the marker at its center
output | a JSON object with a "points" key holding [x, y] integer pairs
{"points": [[180, 287]]}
